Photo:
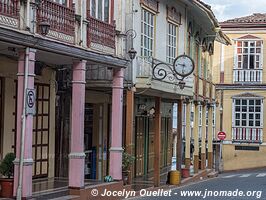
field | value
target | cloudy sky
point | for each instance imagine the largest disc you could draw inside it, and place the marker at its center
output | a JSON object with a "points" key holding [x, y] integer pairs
{"points": [[228, 9]]}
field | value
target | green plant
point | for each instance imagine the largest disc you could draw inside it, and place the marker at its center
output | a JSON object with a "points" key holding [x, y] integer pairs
{"points": [[7, 165], [127, 161]]}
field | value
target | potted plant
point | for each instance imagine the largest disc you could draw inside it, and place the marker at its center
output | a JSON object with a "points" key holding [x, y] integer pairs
{"points": [[7, 170], [127, 161]]}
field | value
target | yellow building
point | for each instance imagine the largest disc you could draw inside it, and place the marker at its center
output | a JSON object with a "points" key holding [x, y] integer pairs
{"points": [[241, 82]]}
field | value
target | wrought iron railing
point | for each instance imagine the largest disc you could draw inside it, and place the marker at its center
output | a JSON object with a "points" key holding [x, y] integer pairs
{"points": [[100, 32], [61, 18], [247, 134], [9, 8]]}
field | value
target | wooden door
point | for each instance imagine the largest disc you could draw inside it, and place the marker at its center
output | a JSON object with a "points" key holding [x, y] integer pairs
{"points": [[140, 143], [41, 125]]}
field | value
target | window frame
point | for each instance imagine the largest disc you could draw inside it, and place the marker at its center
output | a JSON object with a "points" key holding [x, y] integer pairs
{"points": [[200, 109], [240, 53], [247, 119], [148, 22], [172, 41], [96, 16]]}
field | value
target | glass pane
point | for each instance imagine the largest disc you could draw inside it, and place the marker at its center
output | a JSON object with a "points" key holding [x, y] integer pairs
{"points": [[251, 109], [244, 108], [237, 109], [251, 102], [106, 11], [238, 102], [237, 122], [245, 50], [239, 50], [244, 122], [237, 115], [257, 123], [100, 9], [252, 50], [244, 102], [245, 62], [93, 8], [257, 109], [251, 123], [258, 50], [257, 116], [251, 116], [258, 102], [239, 44], [244, 116], [251, 62], [252, 44], [257, 65], [258, 43], [239, 58], [245, 44]]}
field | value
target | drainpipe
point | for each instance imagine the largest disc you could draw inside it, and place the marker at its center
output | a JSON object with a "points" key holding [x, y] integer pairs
{"points": [[23, 118]]}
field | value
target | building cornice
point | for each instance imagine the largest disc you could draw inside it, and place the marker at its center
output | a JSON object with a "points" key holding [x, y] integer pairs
{"points": [[240, 87]]}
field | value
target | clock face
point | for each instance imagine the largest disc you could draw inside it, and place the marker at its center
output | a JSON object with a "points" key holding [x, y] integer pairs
{"points": [[183, 65]]}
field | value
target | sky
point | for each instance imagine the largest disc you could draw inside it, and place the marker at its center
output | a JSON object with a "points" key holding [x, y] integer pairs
{"points": [[229, 9]]}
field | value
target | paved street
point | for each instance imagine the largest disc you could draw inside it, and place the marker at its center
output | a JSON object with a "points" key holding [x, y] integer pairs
{"points": [[251, 183]]}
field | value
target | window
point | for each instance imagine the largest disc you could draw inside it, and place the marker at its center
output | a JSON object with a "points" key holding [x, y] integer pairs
{"points": [[100, 9], [248, 54], [247, 112], [147, 33], [62, 2], [171, 43]]}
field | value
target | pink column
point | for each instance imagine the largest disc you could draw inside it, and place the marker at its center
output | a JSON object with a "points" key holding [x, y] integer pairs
{"points": [[77, 155], [27, 167], [116, 137]]}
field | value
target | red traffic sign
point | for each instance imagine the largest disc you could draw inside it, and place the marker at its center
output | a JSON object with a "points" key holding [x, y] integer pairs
{"points": [[221, 135]]}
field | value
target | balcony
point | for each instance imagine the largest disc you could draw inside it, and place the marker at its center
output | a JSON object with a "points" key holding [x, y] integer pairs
{"points": [[61, 19], [247, 76], [100, 33], [247, 135], [9, 13]]}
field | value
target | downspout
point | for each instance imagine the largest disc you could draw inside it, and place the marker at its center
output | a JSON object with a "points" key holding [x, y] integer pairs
{"points": [[23, 118]]}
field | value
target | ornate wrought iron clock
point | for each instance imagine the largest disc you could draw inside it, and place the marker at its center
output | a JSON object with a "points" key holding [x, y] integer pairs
{"points": [[183, 65]]}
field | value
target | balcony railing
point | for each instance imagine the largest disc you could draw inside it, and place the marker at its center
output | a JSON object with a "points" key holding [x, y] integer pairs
{"points": [[247, 75], [247, 135], [9, 8], [100, 32], [144, 68], [60, 17]]}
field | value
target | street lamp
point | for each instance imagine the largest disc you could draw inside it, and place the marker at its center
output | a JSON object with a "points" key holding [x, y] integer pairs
{"points": [[132, 53], [44, 27]]}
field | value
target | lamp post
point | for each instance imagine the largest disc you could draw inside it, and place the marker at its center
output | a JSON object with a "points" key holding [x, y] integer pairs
{"points": [[44, 27]]}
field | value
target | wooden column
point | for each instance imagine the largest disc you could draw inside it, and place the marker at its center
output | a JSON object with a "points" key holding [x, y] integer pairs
{"points": [[179, 136], [203, 139], [188, 130], [196, 138], [157, 142], [129, 125], [210, 151]]}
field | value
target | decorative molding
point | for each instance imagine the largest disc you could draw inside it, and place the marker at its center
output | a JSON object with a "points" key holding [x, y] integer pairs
{"points": [[8, 21], [61, 36], [150, 4], [173, 15], [101, 48]]}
